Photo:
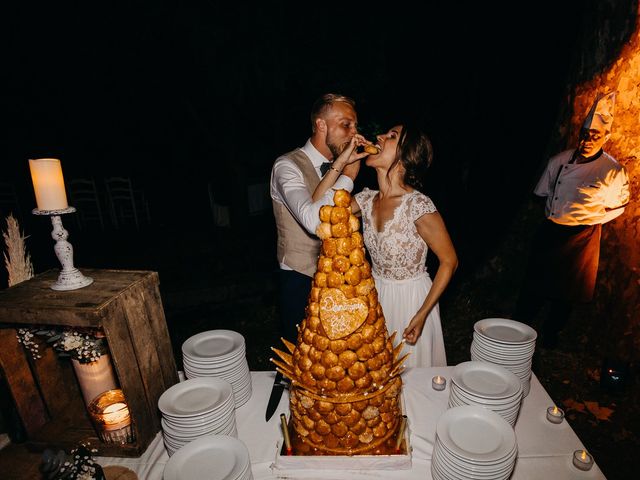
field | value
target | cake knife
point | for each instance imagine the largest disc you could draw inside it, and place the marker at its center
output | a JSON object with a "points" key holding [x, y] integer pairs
{"points": [[274, 398]]}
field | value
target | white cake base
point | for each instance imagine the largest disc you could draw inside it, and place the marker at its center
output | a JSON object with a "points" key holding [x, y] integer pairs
{"points": [[401, 461]]}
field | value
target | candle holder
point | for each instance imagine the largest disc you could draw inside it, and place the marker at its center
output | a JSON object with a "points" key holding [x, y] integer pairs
{"points": [[110, 416], [555, 414], [70, 278], [438, 383], [582, 460]]}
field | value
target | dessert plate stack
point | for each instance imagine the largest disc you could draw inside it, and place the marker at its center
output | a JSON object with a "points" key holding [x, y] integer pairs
{"points": [[486, 385], [213, 458], [195, 408], [506, 343], [220, 354], [473, 443]]}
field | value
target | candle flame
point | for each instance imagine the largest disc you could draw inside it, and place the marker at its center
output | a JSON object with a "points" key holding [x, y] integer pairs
{"points": [[555, 410], [583, 455]]}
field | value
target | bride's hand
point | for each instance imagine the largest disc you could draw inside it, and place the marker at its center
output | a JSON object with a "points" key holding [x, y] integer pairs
{"points": [[413, 331]]}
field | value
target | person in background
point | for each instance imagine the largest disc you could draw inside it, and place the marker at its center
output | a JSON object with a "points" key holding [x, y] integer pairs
{"points": [[583, 188], [294, 177], [400, 225]]}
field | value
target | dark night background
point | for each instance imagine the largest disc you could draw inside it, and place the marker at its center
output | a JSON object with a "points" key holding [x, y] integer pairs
{"points": [[176, 96]]}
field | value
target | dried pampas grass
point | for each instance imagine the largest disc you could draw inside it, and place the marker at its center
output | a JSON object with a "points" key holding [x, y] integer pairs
{"points": [[16, 258]]}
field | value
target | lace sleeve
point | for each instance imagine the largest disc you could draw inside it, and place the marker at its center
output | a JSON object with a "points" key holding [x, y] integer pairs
{"points": [[363, 197], [420, 205]]}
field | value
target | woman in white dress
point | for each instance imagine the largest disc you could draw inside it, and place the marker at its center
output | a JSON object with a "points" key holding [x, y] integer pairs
{"points": [[400, 225]]}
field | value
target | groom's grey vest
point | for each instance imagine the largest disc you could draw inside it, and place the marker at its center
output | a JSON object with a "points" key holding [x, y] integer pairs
{"points": [[296, 247]]}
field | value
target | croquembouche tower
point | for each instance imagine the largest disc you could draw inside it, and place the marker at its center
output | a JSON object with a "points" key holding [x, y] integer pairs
{"points": [[344, 370]]}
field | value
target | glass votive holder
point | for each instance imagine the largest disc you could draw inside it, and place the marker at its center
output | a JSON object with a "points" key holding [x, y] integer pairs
{"points": [[110, 416], [582, 460], [438, 382], [555, 414]]}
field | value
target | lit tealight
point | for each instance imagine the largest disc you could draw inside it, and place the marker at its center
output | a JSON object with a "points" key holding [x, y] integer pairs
{"points": [[555, 414], [438, 382], [582, 460]]}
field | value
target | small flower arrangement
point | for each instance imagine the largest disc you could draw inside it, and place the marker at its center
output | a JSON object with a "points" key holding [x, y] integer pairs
{"points": [[78, 465], [85, 345]]}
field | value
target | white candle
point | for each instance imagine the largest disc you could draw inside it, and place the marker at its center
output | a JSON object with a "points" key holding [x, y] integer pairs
{"points": [[115, 413], [111, 417], [48, 184], [582, 460], [438, 382], [555, 414]]}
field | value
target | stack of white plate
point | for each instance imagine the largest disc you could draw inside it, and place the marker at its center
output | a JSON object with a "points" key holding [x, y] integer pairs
{"points": [[473, 443], [221, 354], [211, 458], [195, 408], [507, 343], [486, 385]]}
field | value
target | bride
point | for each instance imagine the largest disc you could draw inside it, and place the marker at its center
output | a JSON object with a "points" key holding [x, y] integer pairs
{"points": [[400, 225]]}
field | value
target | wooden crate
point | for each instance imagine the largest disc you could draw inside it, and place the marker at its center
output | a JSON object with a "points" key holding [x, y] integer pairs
{"points": [[128, 307]]}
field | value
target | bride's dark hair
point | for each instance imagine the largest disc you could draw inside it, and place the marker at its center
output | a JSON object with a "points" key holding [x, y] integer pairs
{"points": [[415, 153]]}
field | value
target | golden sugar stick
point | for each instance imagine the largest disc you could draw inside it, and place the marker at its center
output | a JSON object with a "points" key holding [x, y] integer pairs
{"points": [[403, 424], [285, 431]]}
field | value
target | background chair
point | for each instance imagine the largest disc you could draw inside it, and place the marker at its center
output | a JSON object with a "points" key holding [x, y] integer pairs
{"points": [[219, 212], [83, 195], [127, 206], [258, 198]]}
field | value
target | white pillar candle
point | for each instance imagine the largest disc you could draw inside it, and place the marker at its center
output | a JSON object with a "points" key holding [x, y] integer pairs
{"points": [[48, 184]]}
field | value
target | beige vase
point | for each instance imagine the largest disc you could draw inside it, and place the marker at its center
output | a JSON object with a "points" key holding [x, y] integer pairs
{"points": [[95, 377]]}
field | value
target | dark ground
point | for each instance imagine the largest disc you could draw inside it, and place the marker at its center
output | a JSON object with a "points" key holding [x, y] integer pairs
{"points": [[225, 278]]}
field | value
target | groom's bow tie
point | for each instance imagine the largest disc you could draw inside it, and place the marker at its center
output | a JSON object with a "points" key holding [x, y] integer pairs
{"points": [[324, 167]]}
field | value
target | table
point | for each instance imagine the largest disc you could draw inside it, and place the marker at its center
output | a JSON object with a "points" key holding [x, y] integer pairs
{"points": [[544, 449]]}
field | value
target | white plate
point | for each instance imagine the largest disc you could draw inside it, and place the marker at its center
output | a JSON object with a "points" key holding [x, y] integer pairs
{"points": [[195, 396], [456, 469], [217, 457], [476, 434], [503, 348], [503, 360], [215, 362], [504, 330], [485, 380], [213, 343]]}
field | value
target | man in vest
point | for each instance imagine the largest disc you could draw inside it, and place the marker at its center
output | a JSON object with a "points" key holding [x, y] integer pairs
{"points": [[583, 188], [294, 178]]}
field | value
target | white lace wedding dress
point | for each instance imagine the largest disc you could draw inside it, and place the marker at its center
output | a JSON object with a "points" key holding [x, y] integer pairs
{"points": [[398, 256]]}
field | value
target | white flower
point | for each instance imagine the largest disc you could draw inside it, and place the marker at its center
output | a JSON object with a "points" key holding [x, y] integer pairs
{"points": [[72, 342], [85, 476], [85, 347]]}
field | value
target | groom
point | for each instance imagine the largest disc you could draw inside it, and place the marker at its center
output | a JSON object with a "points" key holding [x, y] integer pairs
{"points": [[294, 177]]}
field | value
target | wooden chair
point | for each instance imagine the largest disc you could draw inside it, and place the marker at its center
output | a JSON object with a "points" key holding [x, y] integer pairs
{"points": [[126, 204], [219, 212], [83, 195], [258, 198]]}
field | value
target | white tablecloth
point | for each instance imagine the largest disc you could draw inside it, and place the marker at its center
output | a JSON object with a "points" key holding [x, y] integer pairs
{"points": [[545, 450]]}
